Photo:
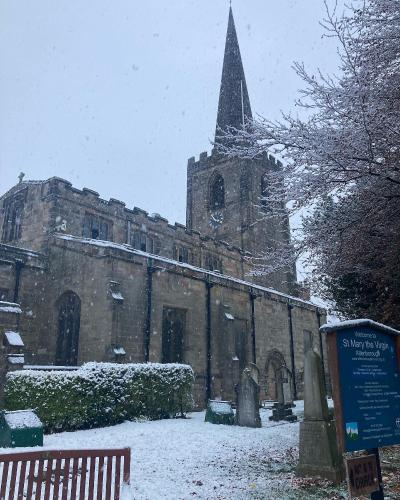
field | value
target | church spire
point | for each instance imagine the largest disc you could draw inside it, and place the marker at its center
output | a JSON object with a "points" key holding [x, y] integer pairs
{"points": [[234, 103]]}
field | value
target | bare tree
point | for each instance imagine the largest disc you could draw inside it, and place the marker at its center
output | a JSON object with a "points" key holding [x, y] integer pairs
{"points": [[341, 162]]}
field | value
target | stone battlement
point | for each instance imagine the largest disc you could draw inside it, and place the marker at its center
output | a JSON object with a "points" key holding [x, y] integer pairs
{"points": [[206, 160], [114, 211]]}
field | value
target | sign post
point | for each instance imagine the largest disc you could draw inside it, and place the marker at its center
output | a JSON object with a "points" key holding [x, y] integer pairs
{"points": [[364, 362]]}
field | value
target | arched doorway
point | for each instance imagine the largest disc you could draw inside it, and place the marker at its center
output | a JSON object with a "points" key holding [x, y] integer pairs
{"points": [[69, 316], [276, 374]]}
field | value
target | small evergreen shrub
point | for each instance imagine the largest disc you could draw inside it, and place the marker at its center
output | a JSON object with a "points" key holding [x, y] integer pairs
{"points": [[100, 394]]}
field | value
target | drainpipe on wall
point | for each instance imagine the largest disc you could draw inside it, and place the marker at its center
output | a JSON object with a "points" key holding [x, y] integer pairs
{"points": [[149, 290], [19, 264], [253, 297], [290, 307], [208, 339]]}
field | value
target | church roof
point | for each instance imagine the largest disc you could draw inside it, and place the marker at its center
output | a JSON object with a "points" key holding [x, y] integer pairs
{"points": [[160, 258], [234, 102]]}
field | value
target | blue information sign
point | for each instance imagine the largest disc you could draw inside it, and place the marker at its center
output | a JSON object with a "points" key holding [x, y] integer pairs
{"points": [[369, 386]]}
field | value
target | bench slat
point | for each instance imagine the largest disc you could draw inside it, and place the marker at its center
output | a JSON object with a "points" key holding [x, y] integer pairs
{"points": [[22, 475], [109, 477], [49, 473], [75, 462], [4, 477], [91, 478], [11, 488], [127, 467], [57, 475], [100, 474], [117, 488], [83, 478], [39, 479], [65, 480], [31, 477]]}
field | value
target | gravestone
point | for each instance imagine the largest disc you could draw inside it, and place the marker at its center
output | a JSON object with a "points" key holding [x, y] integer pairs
{"points": [[282, 410], [248, 399], [319, 455], [219, 412]]}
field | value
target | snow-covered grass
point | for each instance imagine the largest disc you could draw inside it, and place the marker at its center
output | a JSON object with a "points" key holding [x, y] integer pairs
{"points": [[188, 458]]}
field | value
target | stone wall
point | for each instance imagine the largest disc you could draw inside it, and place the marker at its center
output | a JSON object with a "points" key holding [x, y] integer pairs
{"points": [[56, 206], [108, 319], [242, 221]]}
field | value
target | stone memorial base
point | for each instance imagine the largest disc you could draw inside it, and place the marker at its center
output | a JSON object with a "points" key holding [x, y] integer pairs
{"points": [[319, 454], [283, 411]]}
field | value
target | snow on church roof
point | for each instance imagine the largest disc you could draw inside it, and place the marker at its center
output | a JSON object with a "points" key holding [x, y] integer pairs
{"points": [[129, 249]]}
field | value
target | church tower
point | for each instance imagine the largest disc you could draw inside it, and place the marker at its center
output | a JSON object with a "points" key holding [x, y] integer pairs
{"points": [[223, 194]]}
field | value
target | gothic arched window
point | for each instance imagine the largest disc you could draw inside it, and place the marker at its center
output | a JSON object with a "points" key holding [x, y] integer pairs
{"points": [[69, 317], [13, 208], [217, 192]]}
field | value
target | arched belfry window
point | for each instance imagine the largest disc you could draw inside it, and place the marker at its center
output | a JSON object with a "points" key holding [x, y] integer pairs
{"points": [[69, 317], [217, 192]]}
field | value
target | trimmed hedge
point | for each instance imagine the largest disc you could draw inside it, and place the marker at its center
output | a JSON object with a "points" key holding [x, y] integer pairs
{"points": [[101, 394]]}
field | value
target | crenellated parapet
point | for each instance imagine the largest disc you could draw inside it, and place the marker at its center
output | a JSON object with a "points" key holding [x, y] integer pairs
{"points": [[61, 208], [208, 160]]}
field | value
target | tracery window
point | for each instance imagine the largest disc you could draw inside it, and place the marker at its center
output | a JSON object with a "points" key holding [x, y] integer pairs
{"points": [[213, 263], [182, 254], [217, 192], [173, 334], [95, 227], [142, 241], [13, 208]]}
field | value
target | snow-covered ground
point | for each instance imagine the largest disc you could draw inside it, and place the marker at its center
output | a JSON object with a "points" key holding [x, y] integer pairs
{"points": [[188, 458]]}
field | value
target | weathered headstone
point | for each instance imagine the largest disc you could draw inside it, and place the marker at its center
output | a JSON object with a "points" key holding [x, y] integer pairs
{"points": [[282, 410], [219, 412], [248, 399], [319, 455]]}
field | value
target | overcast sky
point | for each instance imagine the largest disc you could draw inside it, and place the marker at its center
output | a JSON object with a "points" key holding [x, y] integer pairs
{"points": [[117, 95]]}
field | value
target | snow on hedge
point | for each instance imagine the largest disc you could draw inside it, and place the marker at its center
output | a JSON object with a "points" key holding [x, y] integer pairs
{"points": [[100, 394]]}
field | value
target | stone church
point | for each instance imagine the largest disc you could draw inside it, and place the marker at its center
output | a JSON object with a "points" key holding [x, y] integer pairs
{"points": [[98, 281]]}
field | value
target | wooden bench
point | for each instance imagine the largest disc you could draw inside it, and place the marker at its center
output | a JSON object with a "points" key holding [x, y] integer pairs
{"points": [[64, 474]]}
